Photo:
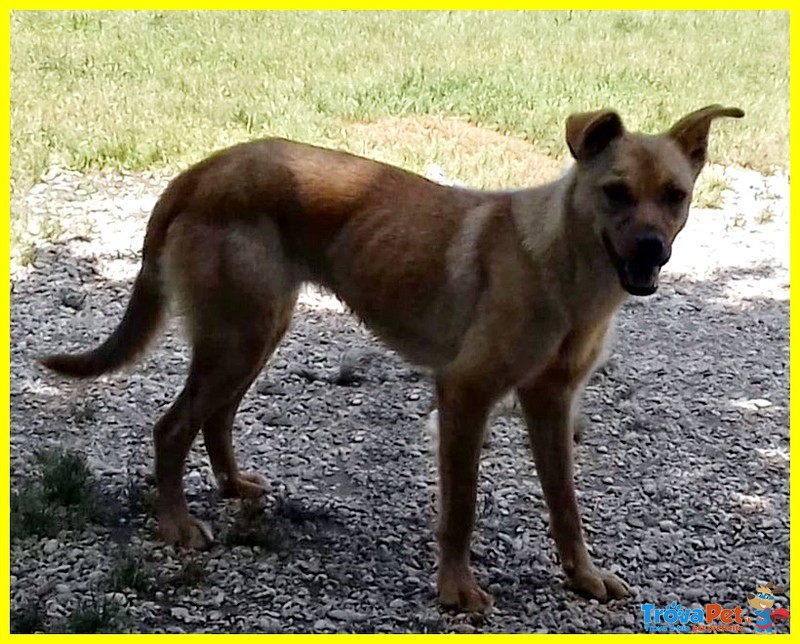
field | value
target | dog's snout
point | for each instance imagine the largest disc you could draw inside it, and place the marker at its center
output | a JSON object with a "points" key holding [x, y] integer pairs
{"points": [[651, 249]]}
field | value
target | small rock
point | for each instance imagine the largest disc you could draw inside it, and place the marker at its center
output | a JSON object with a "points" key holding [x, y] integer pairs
{"points": [[311, 565], [51, 546], [346, 615], [218, 597], [323, 625], [118, 598], [51, 174], [74, 299], [45, 587], [267, 625], [753, 404]]}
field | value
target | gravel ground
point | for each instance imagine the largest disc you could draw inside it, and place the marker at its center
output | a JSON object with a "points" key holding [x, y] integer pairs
{"points": [[683, 471]]}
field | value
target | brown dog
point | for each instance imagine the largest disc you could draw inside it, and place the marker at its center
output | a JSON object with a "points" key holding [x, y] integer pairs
{"points": [[492, 291]]}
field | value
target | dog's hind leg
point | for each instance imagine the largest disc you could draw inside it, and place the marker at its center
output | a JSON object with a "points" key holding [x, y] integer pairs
{"points": [[217, 430], [222, 367], [237, 292]]}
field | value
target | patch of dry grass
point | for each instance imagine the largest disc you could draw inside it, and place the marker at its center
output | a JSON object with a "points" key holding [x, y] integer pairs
{"points": [[477, 156]]}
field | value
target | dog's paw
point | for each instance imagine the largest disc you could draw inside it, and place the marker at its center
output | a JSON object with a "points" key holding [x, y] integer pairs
{"points": [[598, 584], [188, 533], [248, 485], [462, 593]]}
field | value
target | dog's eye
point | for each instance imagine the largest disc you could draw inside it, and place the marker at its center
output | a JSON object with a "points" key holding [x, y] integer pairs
{"points": [[618, 195], [674, 196]]}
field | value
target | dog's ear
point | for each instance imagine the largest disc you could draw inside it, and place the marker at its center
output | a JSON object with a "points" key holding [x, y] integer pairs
{"points": [[691, 132], [589, 133]]}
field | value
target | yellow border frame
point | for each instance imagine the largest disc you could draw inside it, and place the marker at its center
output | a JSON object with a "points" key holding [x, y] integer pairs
{"points": [[678, 5], [794, 34]]}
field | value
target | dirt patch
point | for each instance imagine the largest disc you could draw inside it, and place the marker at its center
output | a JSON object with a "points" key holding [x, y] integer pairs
{"points": [[477, 147]]}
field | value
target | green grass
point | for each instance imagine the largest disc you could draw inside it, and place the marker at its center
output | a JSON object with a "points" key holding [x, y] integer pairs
{"points": [[31, 515], [95, 614], [66, 478], [62, 497], [28, 618], [136, 90], [130, 571]]}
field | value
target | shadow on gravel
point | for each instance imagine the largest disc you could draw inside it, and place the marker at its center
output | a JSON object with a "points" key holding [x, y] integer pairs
{"points": [[683, 471]]}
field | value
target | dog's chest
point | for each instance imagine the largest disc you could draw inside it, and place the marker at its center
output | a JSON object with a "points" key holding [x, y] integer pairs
{"points": [[579, 351]]}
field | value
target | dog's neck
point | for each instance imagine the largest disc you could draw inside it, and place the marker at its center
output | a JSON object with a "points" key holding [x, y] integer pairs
{"points": [[552, 227]]}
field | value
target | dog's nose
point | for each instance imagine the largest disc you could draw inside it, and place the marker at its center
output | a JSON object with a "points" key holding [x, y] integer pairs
{"points": [[651, 249]]}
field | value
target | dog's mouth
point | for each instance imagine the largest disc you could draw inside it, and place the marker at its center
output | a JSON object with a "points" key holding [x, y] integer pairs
{"points": [[636, 277]]}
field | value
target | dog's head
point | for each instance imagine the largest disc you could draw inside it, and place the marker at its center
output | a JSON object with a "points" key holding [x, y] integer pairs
{"points": [[764, 597], [636, 188]]}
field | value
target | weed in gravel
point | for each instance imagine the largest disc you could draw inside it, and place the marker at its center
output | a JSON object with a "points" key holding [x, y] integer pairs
{"points": [[130, 572], [737, 221], [708, 193], [252, 527], [27, 252], [142, 499], [65, 479], [301, 522], [63, 497], [192, 573], [297, 512], [765, 216], [81, 410], [51, 229], [28, 618], [31, 515], [96, 614]]}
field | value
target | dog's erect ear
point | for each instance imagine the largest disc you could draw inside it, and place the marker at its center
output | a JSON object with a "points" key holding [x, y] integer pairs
{"points": [[691, 132], [589, 133]]}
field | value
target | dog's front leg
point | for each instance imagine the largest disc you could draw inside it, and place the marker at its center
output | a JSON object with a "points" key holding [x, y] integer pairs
{"points": [[548, 409], [463, 411]]}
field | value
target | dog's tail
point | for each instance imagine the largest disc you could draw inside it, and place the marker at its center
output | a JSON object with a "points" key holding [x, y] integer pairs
{"points": [[146, 307], [128, 340]]}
